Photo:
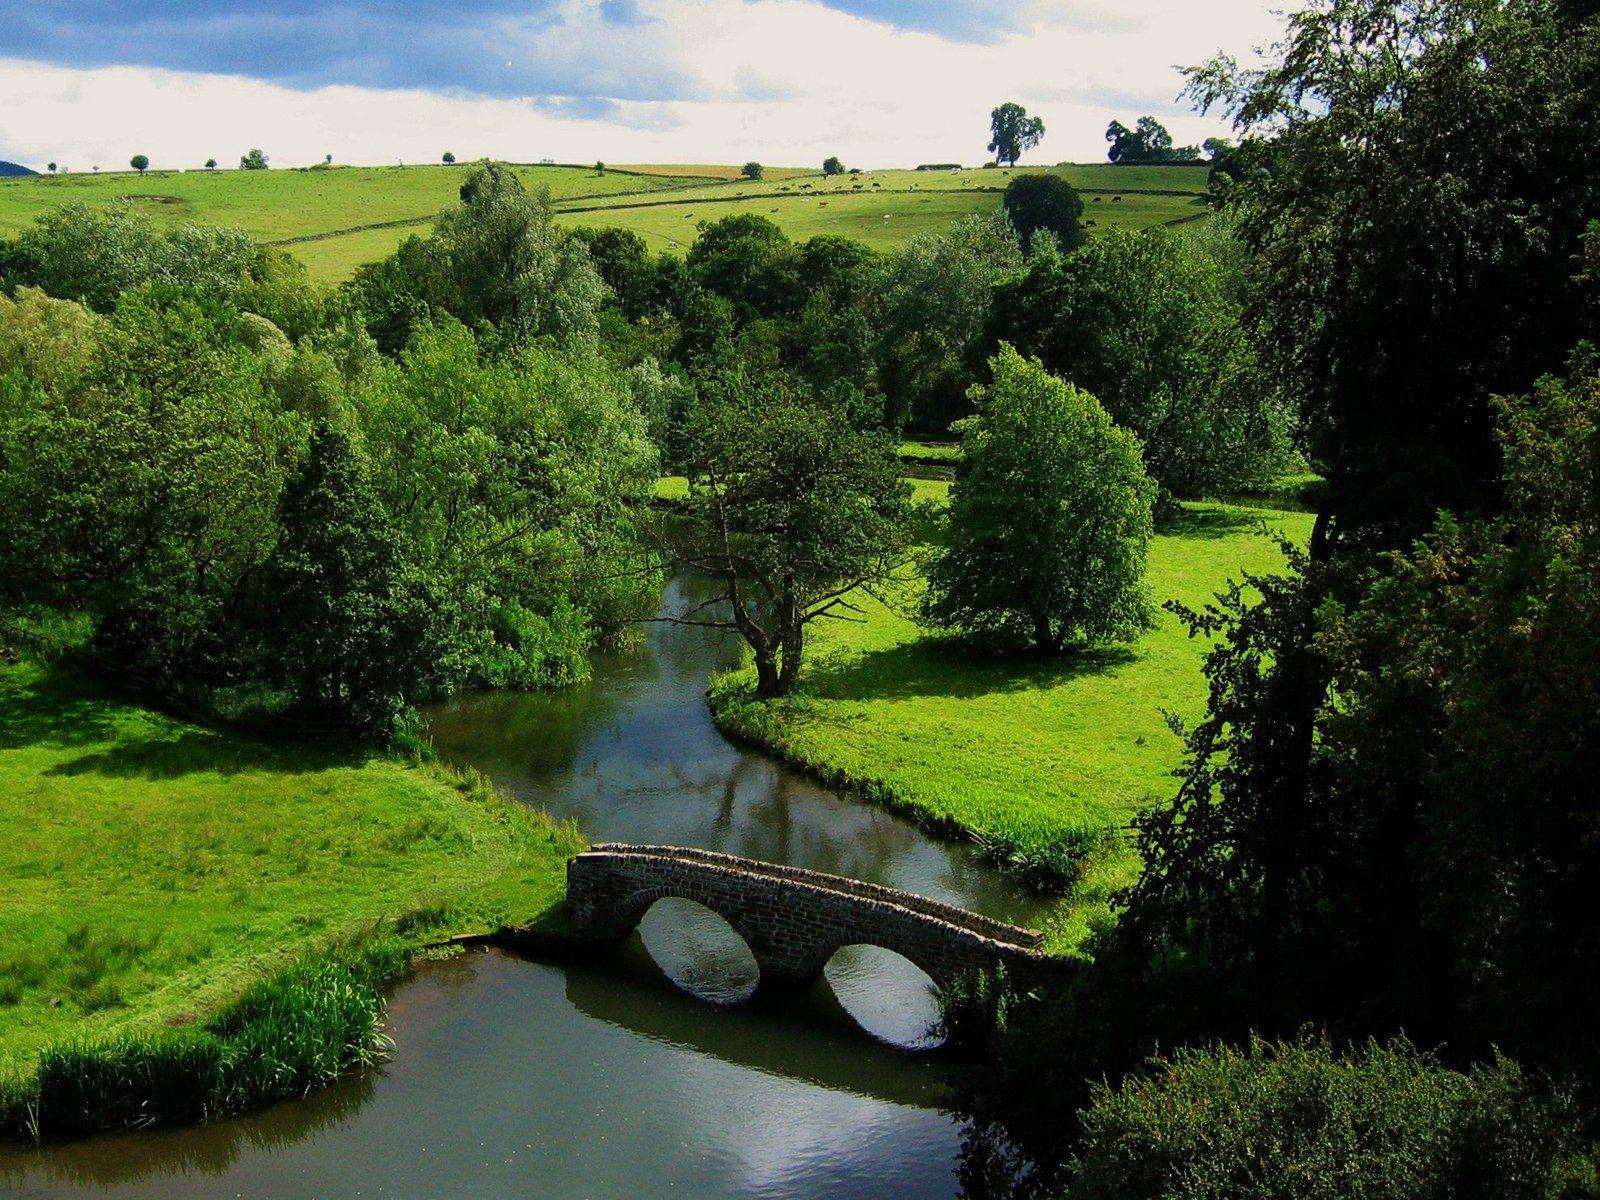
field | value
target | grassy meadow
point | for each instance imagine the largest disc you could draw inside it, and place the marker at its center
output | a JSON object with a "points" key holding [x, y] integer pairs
{"points": [[1042, 761], [152, 871], [339, 218]]}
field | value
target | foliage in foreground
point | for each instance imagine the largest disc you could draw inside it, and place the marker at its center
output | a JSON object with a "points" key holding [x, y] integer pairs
{"points": [[286, 1035], [1290, 1121]]}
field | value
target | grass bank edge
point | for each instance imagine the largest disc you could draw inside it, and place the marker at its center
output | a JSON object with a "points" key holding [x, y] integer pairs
{"points": [[297, 1014], [1061, 862], [294, 1029]]}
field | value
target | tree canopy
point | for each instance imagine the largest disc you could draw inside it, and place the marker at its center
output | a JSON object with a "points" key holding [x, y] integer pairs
{"points": [[1049, 517], [793, 510], [1048, 204], [1013, 132]]}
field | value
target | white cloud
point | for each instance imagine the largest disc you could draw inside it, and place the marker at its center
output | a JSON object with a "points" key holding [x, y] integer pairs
{"points": [[783, 81]]}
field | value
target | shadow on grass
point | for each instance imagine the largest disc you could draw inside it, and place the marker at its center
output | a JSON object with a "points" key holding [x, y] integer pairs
{"points": [[203, 750], [55, 709], [955, 668], [1208, 523]]}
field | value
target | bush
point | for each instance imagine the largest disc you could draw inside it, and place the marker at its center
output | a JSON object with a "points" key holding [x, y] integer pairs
{"points": [[1285, 1121]]}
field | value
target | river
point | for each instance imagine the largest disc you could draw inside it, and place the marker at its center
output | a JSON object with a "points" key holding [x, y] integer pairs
{"points": [[605, 1078]]}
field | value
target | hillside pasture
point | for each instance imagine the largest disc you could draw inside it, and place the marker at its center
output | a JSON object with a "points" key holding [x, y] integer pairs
{"points": [[337, 219]]}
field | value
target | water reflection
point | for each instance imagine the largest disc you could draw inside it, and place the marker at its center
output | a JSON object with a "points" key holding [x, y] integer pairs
{"points": [[887, 994], [602, 1079], [699, 951], [519, 1078], [633, 756]]}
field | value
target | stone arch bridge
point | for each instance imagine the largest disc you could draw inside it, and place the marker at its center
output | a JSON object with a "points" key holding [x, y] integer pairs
{"points": [[793, 919]]}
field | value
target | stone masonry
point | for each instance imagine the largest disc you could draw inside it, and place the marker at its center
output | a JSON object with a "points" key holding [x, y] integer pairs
{"points": [[792, 919]]}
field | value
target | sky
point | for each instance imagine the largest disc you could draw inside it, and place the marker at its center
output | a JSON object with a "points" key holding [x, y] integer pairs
{"points": [[877, 82]]}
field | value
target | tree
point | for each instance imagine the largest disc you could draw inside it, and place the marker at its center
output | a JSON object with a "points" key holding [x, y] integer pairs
{"points": [[1150, 323], [495, 257], [623, 261], [1306, 858], [1148, 141], [793, 511], [52, 168], [748, 261], [599, 167], [338, 589], [751, 170], [1014, 132], [211, 164], [931, 301], [140, 163], [255, 160], [448, 158], [96, 255], [1049, 517], [832, 166], [1046, 203]]}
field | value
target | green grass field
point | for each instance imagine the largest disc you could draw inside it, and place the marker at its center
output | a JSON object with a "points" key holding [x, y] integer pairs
{"points": [[1041, 760], [151, 870], [327, 217]]}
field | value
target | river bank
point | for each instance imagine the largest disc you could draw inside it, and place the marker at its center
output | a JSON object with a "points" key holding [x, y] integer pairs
{"points": [[1041, 763], [576, 1076], [154, 872]]}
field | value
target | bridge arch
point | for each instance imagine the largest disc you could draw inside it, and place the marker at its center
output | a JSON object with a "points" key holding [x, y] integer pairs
{"points": [[699, 950], [794, 920], [885, 993]]}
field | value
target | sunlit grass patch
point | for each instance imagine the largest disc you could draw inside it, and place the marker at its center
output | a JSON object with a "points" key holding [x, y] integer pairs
{"points": [[1042, 761], [151, 870]]}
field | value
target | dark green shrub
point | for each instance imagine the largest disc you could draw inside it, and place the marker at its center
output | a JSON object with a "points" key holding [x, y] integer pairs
{"points": [[1293, 1121]]}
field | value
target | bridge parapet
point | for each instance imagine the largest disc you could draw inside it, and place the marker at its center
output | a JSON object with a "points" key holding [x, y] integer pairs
{"points": [[793, 919]]}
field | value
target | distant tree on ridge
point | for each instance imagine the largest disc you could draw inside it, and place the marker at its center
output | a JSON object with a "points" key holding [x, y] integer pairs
{"points": [[1015, 132]]}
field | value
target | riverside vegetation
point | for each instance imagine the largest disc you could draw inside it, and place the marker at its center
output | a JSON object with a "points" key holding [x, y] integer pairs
{"points": [[198, 921], [303, 510]]}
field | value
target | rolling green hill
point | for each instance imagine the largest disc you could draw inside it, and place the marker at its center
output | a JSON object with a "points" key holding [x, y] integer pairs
{"points": [[335, 219]]}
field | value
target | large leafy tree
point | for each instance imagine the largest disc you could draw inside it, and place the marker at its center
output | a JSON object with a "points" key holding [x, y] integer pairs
{"points": [[1377, 824], [350, 633], [511, 482], [749, 262], [1149, 322], [1412, 258], [138, 474], [793, 511], [1049, 517], [1013, 132], [496, 259]]}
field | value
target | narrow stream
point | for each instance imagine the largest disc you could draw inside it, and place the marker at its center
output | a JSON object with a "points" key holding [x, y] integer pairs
{"points": [[606, 1078]]}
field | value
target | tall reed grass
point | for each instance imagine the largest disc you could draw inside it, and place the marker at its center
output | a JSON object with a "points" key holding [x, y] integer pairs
{"points": [[291, 1033]]}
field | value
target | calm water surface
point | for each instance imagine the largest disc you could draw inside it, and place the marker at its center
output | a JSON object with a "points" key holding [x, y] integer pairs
{"points": [[633, 1073]]}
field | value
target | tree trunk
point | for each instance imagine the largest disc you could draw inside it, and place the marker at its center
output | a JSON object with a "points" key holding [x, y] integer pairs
{"points": [[789, 672], [768, 682], [791, 639], [1045, 640]]}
